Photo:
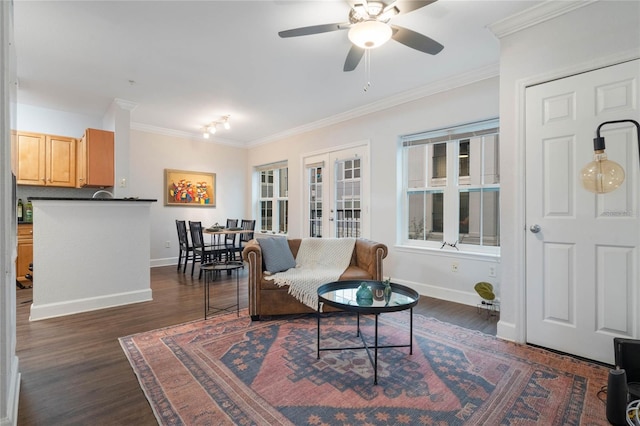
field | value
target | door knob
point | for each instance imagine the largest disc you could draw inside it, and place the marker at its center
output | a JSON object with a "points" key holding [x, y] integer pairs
{"points": [[535, 229]]}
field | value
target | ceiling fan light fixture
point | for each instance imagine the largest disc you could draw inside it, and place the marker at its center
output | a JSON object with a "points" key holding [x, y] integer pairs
{"points": [[370, 34]]}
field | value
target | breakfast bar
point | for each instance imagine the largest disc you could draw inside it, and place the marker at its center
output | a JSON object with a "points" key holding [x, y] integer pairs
{"points": [[89, 253]]}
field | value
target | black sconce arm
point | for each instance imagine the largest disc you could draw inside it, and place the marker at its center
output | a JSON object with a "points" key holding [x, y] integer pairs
{"points": [[598, 141]]}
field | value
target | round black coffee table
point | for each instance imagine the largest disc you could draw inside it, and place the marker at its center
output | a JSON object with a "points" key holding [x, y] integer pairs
{"points": [[342, 295]]}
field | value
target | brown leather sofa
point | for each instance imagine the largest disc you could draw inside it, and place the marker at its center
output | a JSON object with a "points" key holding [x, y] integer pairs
{"points": [[266, 298]]}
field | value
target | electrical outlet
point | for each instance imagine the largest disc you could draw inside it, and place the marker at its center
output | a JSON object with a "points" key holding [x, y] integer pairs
{"points": [[454, 267], [167, 244], [123, 183], [492, 271]]}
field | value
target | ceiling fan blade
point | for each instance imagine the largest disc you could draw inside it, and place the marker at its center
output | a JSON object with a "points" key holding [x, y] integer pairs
{"points": [[314, 29], [409, 5], [353, 58], [416, 40]]}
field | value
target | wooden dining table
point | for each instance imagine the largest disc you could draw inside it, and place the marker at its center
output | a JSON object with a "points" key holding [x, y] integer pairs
{"points": [[218, 232], [225, 231]]}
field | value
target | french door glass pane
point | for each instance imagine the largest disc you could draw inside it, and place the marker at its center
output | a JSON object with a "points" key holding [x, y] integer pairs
{"points": [[347, 199], [315, 202]]}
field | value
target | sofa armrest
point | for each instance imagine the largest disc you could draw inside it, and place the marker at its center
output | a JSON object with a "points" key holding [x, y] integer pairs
{"points": [[369, 255], [252, 254]]}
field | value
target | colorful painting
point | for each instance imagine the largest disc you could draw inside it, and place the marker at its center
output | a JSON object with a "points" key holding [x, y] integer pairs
{"points": [[184, 188]]}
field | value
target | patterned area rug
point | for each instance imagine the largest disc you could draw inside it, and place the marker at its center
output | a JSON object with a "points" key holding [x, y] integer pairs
{"points": [[230, 370]]}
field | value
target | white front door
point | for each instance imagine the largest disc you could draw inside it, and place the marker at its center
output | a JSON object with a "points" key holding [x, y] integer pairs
{"points": [[582, 249], [336, 193]]}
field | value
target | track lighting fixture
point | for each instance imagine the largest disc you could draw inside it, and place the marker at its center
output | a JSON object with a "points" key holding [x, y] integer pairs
{"points": [[212, 127]]}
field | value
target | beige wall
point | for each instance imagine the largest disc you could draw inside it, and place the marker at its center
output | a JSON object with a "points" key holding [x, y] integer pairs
{"points": [[428, 271], [151, 153]]}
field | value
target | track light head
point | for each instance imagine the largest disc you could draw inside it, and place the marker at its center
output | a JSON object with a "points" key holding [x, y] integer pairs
{"points": [[212, 127]]}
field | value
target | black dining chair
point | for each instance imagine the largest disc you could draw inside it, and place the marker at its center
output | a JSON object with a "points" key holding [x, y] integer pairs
{"points": [[230, 240], [245, 237], [205, 253], [186, 250]]}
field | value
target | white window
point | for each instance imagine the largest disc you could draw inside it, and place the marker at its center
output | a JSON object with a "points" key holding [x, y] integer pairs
{"points": [[451, 188], [273, 198]]}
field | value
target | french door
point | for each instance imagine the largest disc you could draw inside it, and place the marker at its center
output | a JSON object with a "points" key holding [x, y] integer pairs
{"points": [[336, 193]]}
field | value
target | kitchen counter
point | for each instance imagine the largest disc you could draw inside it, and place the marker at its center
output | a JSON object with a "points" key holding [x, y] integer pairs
{"points": [[89, 253]]}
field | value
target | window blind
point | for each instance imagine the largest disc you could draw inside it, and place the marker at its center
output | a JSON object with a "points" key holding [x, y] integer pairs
{"points": [[464, 131]]}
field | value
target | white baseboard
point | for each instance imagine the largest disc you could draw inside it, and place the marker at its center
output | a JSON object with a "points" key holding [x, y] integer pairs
{"points": [[437, 292], [52, 310], [167, 261], [507, 331], [13, 396]]}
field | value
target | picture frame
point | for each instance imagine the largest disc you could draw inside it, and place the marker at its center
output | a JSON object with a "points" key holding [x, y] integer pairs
{"points": [[185, 188]]}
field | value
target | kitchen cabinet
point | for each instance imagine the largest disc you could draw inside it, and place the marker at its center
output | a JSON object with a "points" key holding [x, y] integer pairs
{"points": [[46, 160], [95, 153], [25, 251]]}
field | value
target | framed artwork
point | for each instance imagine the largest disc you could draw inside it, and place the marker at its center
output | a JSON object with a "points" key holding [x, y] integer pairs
{"points": [[193, 189]]}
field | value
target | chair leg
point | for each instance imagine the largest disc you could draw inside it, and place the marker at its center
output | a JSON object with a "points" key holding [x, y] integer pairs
{"points": [[180, 260], [186, 260]]}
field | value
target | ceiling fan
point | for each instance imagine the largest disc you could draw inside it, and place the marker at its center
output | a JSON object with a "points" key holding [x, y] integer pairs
{"points": [[369, 27]]}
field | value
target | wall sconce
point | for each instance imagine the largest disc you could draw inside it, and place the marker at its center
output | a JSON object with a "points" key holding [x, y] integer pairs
{"points": [[603, 175], [212, 127]]}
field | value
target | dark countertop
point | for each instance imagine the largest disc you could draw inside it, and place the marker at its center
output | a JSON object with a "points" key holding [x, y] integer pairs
{"points": [[130, 199]]}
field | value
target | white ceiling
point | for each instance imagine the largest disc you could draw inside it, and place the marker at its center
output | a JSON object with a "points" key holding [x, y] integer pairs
{"points": [[192, 62]]}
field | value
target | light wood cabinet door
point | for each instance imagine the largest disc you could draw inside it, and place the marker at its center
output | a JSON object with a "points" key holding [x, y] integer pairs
{"points": [[61, 161], [46, 160], [96, 158], [31, 159], [25, 251]]}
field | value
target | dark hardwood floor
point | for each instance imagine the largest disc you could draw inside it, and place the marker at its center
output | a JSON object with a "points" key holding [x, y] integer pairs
{"points": [[75, 373]]}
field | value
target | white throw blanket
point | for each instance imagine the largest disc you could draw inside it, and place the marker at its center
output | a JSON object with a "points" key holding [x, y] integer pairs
{"points": [[319, 261]]}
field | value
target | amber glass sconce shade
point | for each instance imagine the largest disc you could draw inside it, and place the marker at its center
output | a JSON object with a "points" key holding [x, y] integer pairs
{"points": [[603, 175]]}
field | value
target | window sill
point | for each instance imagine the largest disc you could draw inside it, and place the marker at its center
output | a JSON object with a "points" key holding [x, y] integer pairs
{"points": [[489, 255]]}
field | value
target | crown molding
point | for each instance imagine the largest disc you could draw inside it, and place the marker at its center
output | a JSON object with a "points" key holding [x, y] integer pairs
{"points": [[535, 15], [184, 135], [489, 71]]}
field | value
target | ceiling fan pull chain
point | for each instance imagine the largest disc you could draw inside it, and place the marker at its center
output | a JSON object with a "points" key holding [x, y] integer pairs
{"points": [[367, 69]]}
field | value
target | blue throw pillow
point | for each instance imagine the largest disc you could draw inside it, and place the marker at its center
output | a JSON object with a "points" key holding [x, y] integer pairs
{"points": [[276, 254]]}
